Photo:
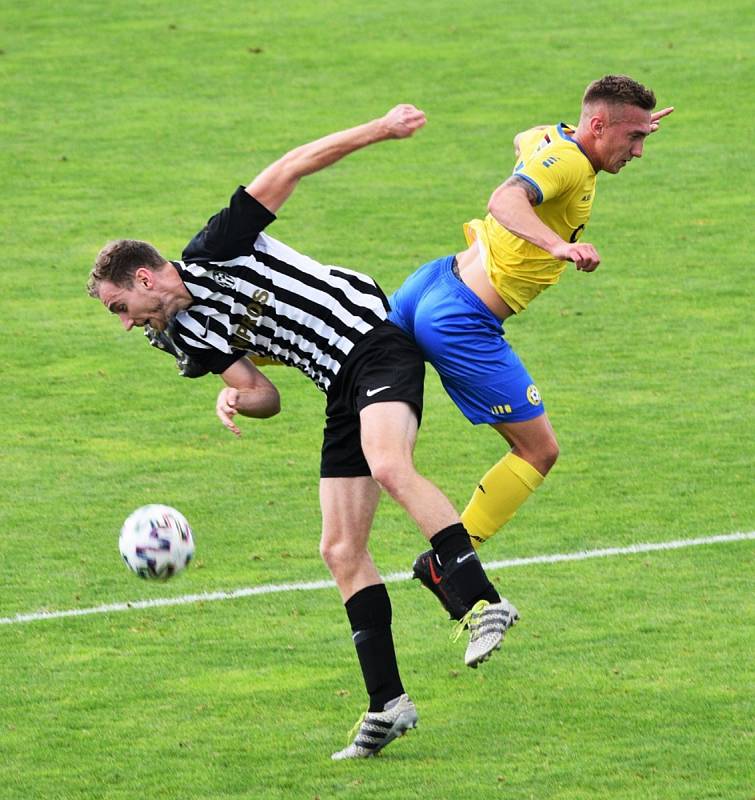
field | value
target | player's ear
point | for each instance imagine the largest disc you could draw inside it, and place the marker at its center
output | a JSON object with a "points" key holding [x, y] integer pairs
{"points": [[144, 277]]}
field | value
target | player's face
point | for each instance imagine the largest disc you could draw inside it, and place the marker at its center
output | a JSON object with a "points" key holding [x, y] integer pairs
{"points": [[135, 306], [624, 136]]}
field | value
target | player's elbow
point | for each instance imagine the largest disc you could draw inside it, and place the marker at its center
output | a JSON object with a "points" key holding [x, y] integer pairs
{"points": [[272, 404], [494, 206], [516, 144], [260, 403], [499, 204], [294, 165], [510, 200]]}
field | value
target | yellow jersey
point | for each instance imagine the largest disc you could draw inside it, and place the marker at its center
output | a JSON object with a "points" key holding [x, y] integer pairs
{"points": [[553, 163]]}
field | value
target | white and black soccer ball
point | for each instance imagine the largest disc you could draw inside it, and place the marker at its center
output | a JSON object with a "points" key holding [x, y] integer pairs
{"points": [[156, 542]]}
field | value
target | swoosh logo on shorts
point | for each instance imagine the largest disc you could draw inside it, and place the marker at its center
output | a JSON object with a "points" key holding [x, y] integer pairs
{"points": [[371, 392]]}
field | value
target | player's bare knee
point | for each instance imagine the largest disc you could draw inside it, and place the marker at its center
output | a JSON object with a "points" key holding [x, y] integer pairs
{"points": [[339, 555], [544, 459], [542, 456], [549, 455], [393, 476], [330, 552]]}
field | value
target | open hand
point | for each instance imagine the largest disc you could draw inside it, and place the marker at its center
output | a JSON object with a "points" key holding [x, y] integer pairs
{"points": [[226, 408]]}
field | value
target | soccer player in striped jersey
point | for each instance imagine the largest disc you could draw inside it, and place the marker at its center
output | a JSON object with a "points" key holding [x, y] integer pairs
{"points": [[238, 292], [455, 307]]}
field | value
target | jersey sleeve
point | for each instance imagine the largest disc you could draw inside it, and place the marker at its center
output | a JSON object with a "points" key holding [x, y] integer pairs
{"points": [[551, 173], [231, 232], [210, 359]]}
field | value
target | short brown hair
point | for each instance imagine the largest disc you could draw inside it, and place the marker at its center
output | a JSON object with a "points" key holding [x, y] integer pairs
{"points": [[118, 261], [619, 90]]}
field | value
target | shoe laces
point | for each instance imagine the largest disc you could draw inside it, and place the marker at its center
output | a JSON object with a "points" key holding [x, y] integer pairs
{"points": [[355, 730], [469, 620]]}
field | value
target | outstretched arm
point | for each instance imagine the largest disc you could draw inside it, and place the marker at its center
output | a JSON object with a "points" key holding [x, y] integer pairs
{"points": [[274, 185]]}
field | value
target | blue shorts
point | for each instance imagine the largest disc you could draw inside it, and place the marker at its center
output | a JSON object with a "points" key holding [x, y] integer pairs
{"points": [[463, 340]]}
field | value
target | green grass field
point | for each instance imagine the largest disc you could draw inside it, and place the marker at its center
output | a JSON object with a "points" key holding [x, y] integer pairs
{"points": [[630, 676]]}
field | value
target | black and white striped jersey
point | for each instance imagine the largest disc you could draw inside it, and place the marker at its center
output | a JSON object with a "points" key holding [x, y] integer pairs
{"points": [[254, 295]]}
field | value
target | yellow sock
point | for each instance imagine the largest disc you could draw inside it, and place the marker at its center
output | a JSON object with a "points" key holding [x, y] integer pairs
{"points": [[503, 488]]}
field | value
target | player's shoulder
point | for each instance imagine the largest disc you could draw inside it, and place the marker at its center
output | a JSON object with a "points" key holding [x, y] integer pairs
{"points": [[548, 140], [568, 150], [208, 268], [554, 148], [529, 141]]}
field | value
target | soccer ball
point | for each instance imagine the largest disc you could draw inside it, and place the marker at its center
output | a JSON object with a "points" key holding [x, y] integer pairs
{"points": [[156, 542]]}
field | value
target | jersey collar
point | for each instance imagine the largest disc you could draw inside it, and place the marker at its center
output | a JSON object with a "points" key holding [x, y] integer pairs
{"points": [[566, 131]]}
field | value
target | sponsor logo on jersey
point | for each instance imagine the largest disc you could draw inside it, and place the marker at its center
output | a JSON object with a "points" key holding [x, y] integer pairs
{"points": [[242, 337], [533, 395]]}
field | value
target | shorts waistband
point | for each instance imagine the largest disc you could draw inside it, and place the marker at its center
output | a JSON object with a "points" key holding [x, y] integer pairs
{"points": [[450, 270]]}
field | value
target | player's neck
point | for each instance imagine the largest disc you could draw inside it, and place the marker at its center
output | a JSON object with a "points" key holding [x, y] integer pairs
{"points": [[173, 291], [584, 139]]}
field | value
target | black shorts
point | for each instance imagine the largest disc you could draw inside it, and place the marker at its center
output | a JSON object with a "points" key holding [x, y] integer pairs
{"points": [[385, 366]]}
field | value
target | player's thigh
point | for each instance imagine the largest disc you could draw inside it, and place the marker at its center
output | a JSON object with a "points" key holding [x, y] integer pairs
{"points": [[388, 432], [455, 330], [503, 393]]}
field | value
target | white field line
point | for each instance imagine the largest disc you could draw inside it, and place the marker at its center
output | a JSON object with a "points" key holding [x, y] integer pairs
{"points": [[271, 588]]}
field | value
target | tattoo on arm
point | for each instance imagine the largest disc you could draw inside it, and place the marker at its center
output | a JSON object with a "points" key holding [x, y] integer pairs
{"points": [[529, 189]]}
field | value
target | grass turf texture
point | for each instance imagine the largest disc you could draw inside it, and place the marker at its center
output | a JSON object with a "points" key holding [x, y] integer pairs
{"points": [[139, 120], [621, 691]]}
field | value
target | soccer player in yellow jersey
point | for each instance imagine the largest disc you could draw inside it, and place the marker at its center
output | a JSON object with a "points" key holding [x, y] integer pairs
{"points": [[454, 307]]}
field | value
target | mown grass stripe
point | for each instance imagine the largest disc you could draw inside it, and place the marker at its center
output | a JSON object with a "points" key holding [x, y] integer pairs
{"points": [[395, 577]]}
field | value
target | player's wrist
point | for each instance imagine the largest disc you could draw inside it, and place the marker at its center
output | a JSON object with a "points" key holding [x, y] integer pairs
{"points": [[381, 129], [558, 248]]}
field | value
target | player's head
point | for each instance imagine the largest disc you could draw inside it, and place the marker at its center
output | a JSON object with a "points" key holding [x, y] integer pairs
{"points": [[118, 261], [616, 117], [125, 277]]}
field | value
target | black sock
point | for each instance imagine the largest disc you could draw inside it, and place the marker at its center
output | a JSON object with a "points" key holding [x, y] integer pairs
{"points": [[461, 566], [369, 612]]}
